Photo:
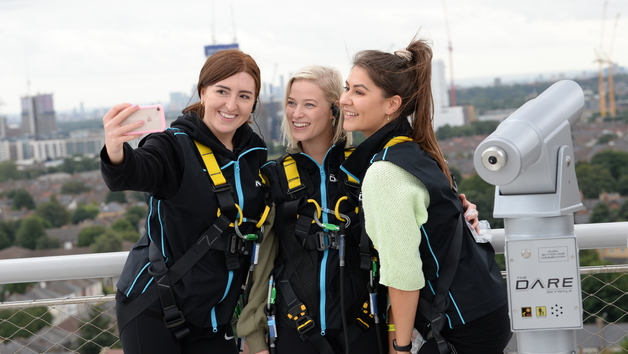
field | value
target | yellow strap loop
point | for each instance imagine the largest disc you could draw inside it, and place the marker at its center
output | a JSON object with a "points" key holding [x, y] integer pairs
{"points": [[319, 212], [213, 169], [262, 219], [337, 208], [239, 213], [397, 140]]}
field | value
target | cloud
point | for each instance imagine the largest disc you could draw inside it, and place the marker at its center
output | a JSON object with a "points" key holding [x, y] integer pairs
{"points": [[105, 52]]}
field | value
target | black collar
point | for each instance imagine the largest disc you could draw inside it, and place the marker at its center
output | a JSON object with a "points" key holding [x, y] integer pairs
{"points": [[360, 159]]}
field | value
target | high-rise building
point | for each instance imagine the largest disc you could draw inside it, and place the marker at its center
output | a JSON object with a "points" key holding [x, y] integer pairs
{"points": [[444, 113], [38, 116]]}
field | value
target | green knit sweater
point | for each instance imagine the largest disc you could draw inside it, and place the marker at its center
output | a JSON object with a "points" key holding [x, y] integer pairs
{"points": [[395, 208]]}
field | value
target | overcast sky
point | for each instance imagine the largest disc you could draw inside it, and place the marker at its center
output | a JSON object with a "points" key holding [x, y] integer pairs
{"points": [[99, 53]]}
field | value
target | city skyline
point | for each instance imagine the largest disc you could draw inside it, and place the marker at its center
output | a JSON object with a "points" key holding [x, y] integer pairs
{"points": [[99, 54]]}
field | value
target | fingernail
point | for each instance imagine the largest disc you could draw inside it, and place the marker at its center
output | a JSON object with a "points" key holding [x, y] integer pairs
{"points": [[139, 122]]}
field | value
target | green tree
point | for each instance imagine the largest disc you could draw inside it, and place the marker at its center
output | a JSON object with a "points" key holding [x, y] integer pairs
{"points": [[74, 187], [137, 196], [124, 228], [24, 322], [600, 213], [615, 161], [9, 228], [594, 180], [122, 225], [622, 213], [119, 197], [87, 235], [622, 185], [606, 138], [84, 212], [97, 333], [110, 241], [44, 243], [134, 214], [21, 199], [5, 241], [598, 298], [55, 213], [68, 165], [17, 288], [31, 229], [8, 171]]}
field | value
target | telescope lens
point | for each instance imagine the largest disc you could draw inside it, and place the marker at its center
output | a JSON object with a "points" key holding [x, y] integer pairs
{"points": [[494, 158]]}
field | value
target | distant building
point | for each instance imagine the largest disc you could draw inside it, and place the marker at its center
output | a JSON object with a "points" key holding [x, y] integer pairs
{"points": [[267, 119], [443, 113], [179, 100], [38, 116], [46, 150]]}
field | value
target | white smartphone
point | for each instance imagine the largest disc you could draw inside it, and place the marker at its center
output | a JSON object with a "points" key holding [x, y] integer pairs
{"points": [[153, 117]]}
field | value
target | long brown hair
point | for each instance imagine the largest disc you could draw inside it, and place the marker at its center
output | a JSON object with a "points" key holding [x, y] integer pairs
{"points": [[220, 66], [408, 74]]}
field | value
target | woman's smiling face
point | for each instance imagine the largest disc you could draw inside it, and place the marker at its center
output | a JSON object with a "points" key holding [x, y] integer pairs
{"points": [[363, 103]]}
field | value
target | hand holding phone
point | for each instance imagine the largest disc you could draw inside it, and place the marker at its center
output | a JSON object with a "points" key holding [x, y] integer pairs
{"points": [[153, 117]]}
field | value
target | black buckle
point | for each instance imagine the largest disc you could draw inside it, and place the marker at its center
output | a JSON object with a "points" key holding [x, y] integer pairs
{"points": [[174, 322], [156, 274], [295, 189], [238, 245], [221, 188], [299, 315], [304, 324], [334, 241]]}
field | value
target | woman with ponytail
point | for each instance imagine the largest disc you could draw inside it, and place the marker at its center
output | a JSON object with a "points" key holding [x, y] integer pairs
{"points": [[428, 257]]}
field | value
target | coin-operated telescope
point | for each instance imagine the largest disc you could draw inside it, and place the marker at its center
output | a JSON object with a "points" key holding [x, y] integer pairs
{"points": [[529, 158]]}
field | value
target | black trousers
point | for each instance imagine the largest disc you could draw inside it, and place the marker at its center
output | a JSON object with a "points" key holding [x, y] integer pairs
{"points": [[486, 335], [147, 334], [289, 342]]}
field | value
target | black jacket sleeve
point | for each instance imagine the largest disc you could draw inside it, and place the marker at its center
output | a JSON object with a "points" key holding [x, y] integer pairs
{"points": [[156, 167]]}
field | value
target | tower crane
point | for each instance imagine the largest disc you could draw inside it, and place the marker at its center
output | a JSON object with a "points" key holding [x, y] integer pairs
{"points": [[600, 60], [611, 85], [452, 89]]}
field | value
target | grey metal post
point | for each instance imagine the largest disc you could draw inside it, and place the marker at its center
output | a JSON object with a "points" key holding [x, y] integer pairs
{"points": [[529, 158]]}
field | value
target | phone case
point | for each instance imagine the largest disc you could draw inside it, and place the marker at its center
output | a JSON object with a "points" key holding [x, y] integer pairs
{"points": [[153, 116]]}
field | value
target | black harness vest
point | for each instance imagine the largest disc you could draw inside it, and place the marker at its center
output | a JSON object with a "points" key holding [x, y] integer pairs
{"points": [[478, 287], [208, 292]]}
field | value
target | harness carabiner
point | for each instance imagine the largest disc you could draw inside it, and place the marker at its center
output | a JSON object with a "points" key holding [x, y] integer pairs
{"points": [[269, 311], [239, 213], [325, 225], [248, 237]]}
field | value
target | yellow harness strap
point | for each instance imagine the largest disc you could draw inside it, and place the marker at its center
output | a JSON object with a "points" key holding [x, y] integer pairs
{"points": [[219, 180], [349, 177], [292, 173], [213, 169]]}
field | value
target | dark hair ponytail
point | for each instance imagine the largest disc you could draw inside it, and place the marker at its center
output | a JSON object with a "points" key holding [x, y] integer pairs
{"points": [[408, 74]]}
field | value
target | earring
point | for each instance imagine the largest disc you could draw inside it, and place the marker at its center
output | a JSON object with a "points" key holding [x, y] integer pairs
{"points": [[387, 117], [202, 103]]}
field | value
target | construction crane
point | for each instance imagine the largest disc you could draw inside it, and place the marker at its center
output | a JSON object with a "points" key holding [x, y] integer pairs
{"points": [[452, 89], [600, 60], [611, 85]]}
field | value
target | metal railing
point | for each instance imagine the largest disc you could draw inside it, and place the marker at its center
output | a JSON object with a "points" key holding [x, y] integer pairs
{"points": [[87, 324]]}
